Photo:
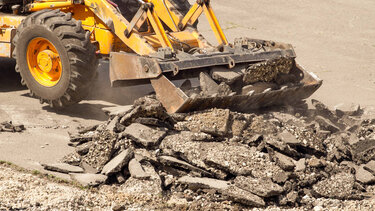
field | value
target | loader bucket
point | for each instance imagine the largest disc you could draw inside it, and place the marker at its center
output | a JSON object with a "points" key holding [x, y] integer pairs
{"points": [[176, 101], [265, 65]]}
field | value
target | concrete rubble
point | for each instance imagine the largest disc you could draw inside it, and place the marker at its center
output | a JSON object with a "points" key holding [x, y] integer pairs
{"points": [[271, 157], [8, 126]]}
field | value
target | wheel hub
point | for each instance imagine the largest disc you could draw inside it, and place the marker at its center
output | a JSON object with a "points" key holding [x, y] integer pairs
{"points": [[47, 60], [44, 62]]}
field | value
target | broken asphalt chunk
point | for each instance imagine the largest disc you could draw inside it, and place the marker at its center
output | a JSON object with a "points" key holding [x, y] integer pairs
{"points": [[116, 164], [144, 135]]}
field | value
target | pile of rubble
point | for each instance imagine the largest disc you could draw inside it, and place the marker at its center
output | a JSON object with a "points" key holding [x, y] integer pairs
{"points": [[289, 157], [245, 79], [8, 126]]}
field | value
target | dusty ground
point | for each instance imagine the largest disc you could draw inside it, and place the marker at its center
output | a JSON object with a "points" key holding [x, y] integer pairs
{"points": [[334, 39]]}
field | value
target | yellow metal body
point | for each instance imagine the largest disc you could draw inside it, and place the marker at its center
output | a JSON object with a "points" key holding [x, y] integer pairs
{"points": [[107, 25], [8, 24]]}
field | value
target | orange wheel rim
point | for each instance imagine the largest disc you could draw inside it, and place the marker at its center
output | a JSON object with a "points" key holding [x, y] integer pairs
{"points": [[44, 62]]}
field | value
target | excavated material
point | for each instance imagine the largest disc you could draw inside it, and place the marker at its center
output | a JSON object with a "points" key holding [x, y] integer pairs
{"points": [[279, 156], [268, 70], [276, 81]]}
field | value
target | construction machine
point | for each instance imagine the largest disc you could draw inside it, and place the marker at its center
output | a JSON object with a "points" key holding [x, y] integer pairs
{"points": [[57, 44]]}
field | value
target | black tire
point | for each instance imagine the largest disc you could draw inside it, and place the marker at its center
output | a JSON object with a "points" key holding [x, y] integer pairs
{"points": [[76, 52]]}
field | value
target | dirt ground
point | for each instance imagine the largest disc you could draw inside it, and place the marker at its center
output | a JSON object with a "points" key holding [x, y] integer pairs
{"points": [[332, 38]]}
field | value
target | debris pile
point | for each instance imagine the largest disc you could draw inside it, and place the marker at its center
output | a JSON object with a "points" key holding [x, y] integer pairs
{"points": [[8, 126], [288, 157]]}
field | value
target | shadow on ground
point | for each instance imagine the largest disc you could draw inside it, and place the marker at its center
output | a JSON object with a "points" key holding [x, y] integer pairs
{"points": [[10, 80], [101, 95]]}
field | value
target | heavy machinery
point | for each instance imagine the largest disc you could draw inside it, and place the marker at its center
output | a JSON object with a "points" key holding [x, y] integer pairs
{"points": [[57, 43]]}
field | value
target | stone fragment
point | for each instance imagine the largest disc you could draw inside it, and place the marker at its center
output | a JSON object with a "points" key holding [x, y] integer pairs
{"points": [[263, 187], [101, 150], [244, 197], [281, 146], [258, 88], [214, 121], [289, 138], [281, 177], [325, 124], [146, 190], [316, 163], [120, 178], [292, 197], [144, 135], [362, 149], [147, 106], [172, 161], [112, 124], [83, 149], [350, 164], [370, 166], [88, 129], [323, 134], [238, 126], [153, 122], [136, 170], [62, 167], [233, 158], [116, 164], [168, 180], [224, 90], [117, 110], [285, 162], [8, 126], [72, 158], [223, 74], [363, 176], [88, 180], [203, 183], [301, 165], [338, 186], [83, 138], [88, 168], [238, 160], [208, 85], [230, 191]]}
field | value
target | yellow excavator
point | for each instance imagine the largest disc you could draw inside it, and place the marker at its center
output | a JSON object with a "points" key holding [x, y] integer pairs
{"points": [[57, 44]]}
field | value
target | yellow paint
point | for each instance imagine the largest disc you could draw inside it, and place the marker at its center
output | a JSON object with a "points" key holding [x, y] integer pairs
{"points": [[214, 23], [105, 38], [5, 50], [44, 62], [49, 5], [159, 29], [6, 36], [163, 12], [10, 21], [192, 16], [182, 36]]}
